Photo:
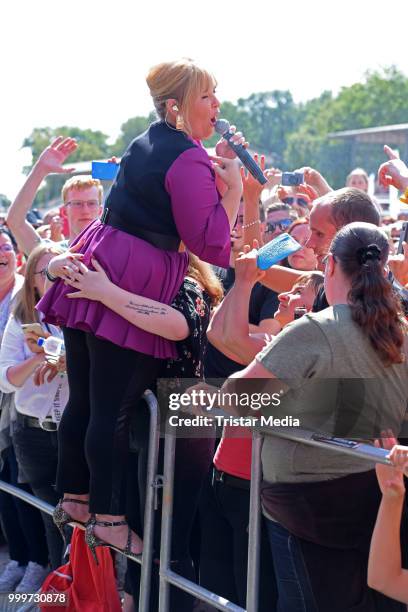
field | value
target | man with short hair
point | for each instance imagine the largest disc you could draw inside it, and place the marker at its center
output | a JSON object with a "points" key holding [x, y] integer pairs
{"points": [[334, 210], [279, 217], [82, 196], [328, 214]]}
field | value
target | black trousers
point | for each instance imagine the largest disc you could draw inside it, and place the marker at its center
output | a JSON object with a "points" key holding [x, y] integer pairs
{"points": [[36, 452], [105, 382], [21, 523]]}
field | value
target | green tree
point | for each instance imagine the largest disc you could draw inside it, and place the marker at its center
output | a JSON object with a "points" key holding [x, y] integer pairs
{"points": [[129, 130], [4, 202], [379, 100]]}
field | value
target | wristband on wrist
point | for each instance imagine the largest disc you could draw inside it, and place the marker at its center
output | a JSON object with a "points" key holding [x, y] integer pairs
{"points": [[404, 197], [50, 277], [246, 225]]}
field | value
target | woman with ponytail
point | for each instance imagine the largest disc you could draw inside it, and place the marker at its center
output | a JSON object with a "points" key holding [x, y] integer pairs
{"points": [[345, 373]]}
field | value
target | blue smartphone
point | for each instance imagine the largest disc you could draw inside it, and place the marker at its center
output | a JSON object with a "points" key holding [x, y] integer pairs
{"points": [[277, 249], [105, 171]]}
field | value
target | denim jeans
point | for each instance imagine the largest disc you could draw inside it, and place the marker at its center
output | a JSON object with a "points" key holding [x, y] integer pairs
{"points": [[294, 590], [37, 452], [224, 518]]}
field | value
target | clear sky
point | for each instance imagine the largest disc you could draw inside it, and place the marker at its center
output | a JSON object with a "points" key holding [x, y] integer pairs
{"points": [[83, 63]]}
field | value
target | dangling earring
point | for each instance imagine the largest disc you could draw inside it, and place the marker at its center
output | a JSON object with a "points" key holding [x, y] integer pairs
{"points": [[179, 122]]}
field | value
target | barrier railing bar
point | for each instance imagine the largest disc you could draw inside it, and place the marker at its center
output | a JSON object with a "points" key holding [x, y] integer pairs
{"points": [[340, 445], [167, 519], [200, 592], [27, 497], [254, 527], [148, 529], [167, 576]]}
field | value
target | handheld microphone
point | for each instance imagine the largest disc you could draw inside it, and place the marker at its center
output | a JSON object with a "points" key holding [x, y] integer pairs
{"points": [[222, 127]]}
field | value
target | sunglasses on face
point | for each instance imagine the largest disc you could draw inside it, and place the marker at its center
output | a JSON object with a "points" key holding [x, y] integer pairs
{"points": [[300, 201], [283, 224]]}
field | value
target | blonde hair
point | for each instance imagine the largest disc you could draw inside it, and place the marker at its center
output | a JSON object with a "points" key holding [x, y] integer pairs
{"points": [[24, 310], [203, 274], [81, 182], [182, 80]]}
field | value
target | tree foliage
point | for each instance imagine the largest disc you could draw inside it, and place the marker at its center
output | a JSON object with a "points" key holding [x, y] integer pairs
{"points": [[129, 130]]}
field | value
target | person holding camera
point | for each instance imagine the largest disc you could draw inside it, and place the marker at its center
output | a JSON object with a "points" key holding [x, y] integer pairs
{"points": [[165, 192]]}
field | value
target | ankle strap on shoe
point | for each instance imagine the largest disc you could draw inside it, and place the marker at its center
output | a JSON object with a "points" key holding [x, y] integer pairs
{"points": [[109, 523]]}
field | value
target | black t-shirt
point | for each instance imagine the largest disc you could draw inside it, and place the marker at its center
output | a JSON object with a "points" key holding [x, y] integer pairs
{"points": [[262, 305], [320, 302]]}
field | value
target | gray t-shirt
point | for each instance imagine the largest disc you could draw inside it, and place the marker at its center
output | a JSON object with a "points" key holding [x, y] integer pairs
{"points": [[337, 384]]}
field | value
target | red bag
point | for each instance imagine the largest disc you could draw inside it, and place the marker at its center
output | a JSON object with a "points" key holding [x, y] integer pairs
{"points": [[80, 585]]}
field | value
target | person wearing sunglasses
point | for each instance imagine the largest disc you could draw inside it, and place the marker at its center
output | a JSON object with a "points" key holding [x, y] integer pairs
{"points": [[300, 198], [279, 218]]}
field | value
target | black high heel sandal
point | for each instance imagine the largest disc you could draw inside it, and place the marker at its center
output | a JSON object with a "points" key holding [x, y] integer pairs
{"points": [[93, 541], [62, 518]]}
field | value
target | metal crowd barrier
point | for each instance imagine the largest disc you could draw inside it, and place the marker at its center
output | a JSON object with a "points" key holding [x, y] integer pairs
{"points": [[154, 482], [169, 577]]}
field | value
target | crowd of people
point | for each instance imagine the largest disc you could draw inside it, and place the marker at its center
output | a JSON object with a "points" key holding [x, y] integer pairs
{"points": [[160, 281]]}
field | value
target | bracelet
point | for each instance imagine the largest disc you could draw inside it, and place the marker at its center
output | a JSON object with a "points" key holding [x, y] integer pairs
{"points": [[404, 198], [251, 224], [50, 277]]}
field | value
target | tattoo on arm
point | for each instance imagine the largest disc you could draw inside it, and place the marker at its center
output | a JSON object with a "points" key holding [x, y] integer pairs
{"points": [[146, 309]]}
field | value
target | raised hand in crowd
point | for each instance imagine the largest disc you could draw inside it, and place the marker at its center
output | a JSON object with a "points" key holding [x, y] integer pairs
{"points": [[51, 160], [251, 192], [391, 478], [246, 269], [393, 172], [274, 176], [316, 180], [398, 265], [385, 572]]}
